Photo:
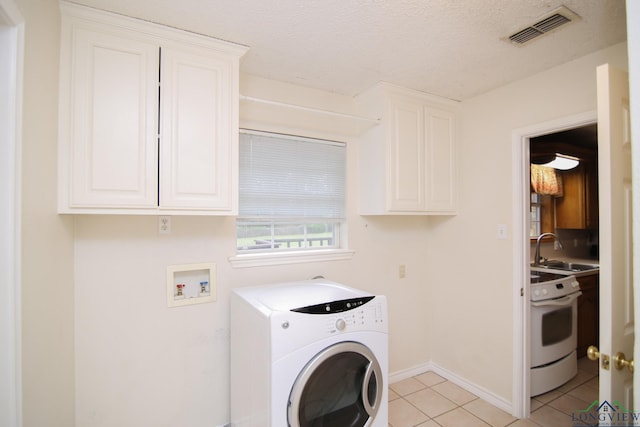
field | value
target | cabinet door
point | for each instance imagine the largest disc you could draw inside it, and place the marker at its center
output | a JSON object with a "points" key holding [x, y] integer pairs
{"points": [[591, 197], [571, 208], [406, 156], [588, 309], [110, 148], [440, 160], [199, 131]]}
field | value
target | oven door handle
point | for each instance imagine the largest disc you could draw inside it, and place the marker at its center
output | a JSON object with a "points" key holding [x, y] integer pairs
{"points": [[560, 302]]}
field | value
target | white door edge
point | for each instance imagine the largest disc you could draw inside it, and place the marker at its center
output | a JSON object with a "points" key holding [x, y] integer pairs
{"points": [[12, 53], [521, 248], [633, 40]]}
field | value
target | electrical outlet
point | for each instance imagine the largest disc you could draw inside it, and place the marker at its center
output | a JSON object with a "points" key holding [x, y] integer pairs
{"points": [[402, 271], [164, 224]]}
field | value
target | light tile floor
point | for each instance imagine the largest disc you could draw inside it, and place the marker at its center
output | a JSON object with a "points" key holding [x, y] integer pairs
{"points": [[428, 400]]}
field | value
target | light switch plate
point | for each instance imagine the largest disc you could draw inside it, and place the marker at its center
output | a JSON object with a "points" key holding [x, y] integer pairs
{"points": [[502, 231]]}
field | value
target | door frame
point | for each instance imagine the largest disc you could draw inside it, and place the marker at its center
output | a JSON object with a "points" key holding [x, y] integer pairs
{"points": [[12, 53], [521, 406]]}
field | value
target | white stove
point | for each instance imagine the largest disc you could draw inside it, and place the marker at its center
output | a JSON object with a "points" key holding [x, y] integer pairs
{"points": [[554, 332]]}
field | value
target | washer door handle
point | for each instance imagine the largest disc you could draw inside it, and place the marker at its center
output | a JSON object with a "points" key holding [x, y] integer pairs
{"points": [[371, 370]]}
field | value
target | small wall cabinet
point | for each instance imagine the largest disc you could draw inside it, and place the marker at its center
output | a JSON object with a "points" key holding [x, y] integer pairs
{"points": [[148, 118], [408, 162]]}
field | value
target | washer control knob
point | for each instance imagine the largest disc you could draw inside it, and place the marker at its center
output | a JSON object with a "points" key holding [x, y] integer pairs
{"points": [[341, 324]]}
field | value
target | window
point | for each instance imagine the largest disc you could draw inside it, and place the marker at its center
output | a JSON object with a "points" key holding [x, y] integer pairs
{"points": [[542, 215], [536, 215], [292, 193]]}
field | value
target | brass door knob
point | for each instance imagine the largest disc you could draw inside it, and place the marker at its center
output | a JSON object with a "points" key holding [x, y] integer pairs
{"points": [[594, 354], [620, 362]]}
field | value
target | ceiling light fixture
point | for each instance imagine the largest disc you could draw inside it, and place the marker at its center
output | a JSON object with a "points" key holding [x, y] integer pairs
{"points": [[563, 162]]}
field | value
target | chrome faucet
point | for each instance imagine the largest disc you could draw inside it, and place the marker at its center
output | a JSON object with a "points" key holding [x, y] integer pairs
{"points": [[536, 261]]}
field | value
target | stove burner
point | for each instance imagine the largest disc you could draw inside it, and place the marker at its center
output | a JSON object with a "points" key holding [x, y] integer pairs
{"points": [[541, 276]]}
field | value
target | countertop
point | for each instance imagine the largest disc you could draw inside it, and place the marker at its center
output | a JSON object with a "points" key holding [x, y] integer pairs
{"points": [[572, 273]]}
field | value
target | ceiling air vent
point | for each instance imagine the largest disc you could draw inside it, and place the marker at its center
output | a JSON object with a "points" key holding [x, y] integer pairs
{"points": [[554, 19]]}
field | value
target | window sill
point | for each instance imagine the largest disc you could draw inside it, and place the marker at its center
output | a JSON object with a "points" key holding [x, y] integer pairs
{"points": [[265, 259]]}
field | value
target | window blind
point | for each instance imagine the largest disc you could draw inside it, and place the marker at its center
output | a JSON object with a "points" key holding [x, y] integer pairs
{"points": [[291, 178]]}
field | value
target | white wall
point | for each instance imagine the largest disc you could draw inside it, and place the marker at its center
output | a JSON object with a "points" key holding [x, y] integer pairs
{"points": [[47, 238], [470, 279]]}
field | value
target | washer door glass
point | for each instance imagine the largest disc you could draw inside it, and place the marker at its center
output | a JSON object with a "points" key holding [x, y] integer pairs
{"points": [[340, 386]]}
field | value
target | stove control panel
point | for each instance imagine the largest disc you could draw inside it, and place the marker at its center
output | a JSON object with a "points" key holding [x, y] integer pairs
{"points": [[553, 289]]}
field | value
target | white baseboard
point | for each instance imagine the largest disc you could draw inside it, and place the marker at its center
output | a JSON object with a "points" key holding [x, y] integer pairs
{"points": [[398, 376], [481, 392]]}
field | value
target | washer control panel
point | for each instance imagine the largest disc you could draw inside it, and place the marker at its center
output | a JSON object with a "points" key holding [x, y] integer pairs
{"points": [[348, 315], [334, 306], [362, 318]]}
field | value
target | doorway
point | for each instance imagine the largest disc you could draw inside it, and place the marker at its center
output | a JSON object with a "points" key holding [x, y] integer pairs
{"points": [[521, 141], [564, 201]]}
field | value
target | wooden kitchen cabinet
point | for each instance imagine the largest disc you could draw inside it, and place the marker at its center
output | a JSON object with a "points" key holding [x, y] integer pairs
{"points": [[588, 313], [408, 161], [578, 207], [148, 118]]}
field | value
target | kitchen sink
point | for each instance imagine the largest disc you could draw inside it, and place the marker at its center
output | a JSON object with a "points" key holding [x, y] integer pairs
{"points": [[566, 266]]}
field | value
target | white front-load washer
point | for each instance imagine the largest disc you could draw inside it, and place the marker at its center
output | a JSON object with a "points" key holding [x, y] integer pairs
{"points": [[308, 353]]}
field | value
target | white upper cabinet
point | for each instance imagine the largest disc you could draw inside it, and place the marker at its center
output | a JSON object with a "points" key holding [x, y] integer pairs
{"points": [[407, 162], [197, 162], [148, 118]]}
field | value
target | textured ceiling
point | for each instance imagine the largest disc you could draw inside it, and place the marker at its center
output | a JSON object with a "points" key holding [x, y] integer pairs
{"points": [[451, 48]]}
